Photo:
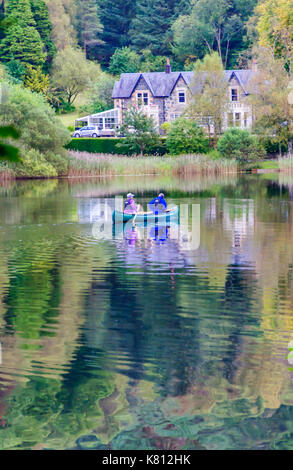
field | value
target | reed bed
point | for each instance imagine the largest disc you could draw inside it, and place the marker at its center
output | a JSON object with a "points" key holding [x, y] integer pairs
{"points": [[286, 164], [83, 164], [6, 174]]}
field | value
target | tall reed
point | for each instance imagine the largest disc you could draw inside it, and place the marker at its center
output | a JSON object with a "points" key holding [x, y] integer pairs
{"points": [[286, 164], [6, 174], [86, 164]]}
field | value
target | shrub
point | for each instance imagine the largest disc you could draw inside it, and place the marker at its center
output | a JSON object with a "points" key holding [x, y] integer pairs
{"points": [[108, 145], [100, 145], [139, 131], [64, 107], [34, 164], [94, 106], [273, 146], [185, 136], [166, 126], [40, 129], [214, 154], [59, 161], [240, 145]]}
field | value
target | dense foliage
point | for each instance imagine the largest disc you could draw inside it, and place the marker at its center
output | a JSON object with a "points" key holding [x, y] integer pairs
{"points": [[27, 39], [184, 29], [71, 52], [210, 96], [139, 131], [214, 25], [185, 136], [240, 145], [7, 151], [42, 137], [72, 73], [110, 146]]}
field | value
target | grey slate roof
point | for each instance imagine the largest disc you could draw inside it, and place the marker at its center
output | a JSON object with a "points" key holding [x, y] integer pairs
{"points": [[162, 84]]}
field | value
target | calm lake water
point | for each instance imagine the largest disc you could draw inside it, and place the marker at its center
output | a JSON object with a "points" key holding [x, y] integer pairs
{"points": [[141, 342]]}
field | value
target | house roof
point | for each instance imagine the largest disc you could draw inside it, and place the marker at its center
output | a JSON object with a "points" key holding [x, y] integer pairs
{"points": [[161, 84]]}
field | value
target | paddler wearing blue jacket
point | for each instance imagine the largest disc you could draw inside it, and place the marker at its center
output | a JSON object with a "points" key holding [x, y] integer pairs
{"points": [[158, 204]]}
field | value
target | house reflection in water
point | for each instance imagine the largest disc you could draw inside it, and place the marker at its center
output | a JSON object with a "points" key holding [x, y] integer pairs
{"points": [[91, 210]]}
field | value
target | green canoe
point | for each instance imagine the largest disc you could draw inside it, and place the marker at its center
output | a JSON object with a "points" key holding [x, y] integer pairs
{"points": [[147, 217]]}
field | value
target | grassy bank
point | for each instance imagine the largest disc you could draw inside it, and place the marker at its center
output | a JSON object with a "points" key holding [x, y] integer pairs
{"points": [[84, 164], [266, 165]]}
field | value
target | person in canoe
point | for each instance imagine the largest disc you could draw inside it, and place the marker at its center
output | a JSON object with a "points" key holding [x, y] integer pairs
{"points": [[130, 207], [158, 204]]}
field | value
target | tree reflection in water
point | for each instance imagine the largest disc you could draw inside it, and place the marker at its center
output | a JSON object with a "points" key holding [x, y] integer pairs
{"points": [[136, 342]]}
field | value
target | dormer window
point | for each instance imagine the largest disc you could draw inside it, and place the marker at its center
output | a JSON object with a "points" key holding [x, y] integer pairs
{"points": [[142, 99], [234, 94], [181, 96]]}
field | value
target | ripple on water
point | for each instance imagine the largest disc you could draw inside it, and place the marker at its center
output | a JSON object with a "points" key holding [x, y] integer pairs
{"points": [[142, 340]]}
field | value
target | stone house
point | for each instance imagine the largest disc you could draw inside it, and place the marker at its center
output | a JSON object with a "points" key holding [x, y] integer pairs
{"points": [[164, 95]]}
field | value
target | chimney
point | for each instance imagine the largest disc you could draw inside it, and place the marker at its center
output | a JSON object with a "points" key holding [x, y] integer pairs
{"points": [[254, 65], [168, 66]]}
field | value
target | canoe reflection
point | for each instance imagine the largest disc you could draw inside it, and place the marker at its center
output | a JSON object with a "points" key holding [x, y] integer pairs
{"points": [[155, 246], [156, 233]]}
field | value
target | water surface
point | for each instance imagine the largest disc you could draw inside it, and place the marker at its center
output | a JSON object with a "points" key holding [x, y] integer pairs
{"points": [[138, 342]]}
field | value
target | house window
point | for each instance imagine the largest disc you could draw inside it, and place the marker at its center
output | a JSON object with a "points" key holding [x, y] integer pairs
{"points": [[181, 96], [110, 123], [139, 99], [237, 119], [173, 117], [142, 99], [234, 94], [245, 120], [230, 120]]}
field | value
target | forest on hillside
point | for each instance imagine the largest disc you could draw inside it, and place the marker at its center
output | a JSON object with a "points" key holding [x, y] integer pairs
{"points": [[106, 36], [133, 35], [183, 30], [68, 54]]}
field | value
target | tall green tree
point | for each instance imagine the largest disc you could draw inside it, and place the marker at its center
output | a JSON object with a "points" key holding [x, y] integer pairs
{"points": [[124, 61], [270, 98], [209, 99], [72, 73], [214, 25], [90, 27], [152, 25], [22, 40], [63, 15], [116, 17], [275, 29], [44, 26]]}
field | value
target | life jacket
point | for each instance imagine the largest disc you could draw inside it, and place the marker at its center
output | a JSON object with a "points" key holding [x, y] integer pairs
{"points": [[157, 206], [126, 204]]}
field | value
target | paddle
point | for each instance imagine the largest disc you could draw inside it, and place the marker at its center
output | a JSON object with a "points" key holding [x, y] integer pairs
{"points": [[133, 222]]}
